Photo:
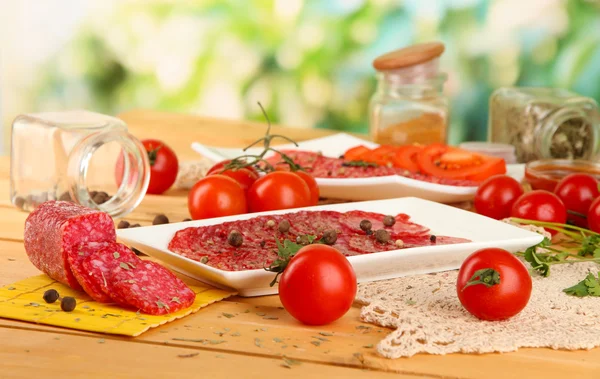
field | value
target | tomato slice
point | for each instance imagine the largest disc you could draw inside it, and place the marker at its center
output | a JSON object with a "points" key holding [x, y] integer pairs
{"points": [[356, 153], [383, 155], [406, 157], [453, 163]]}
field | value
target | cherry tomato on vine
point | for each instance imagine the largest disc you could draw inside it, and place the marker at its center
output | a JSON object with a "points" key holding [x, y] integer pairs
{"points": [[216, 196], [243, 176], [577, 192], [540, 205], [318, 285], [278, 190], [218, 168], [493, 284], [163, 166], [496, 195], [593, 216], [312, 186]]}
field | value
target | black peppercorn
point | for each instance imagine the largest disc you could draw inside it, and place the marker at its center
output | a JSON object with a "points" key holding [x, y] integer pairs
{"points": [[68, 303], [389, 221], [329, 237], [263, 243], [160, 219], [284, 226], [235, 238], [365, 225], [187, 219], [123, 224], [51, 296], [432, 238], [382, 236]]}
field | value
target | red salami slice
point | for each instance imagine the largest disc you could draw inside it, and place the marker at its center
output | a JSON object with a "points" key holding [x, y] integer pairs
{"points": [[151, 288], [93, 263], [403, 227], [54, 227]]}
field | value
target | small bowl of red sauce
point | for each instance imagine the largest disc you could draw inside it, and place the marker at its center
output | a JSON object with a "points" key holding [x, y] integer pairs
{"points": [[546, 173]]}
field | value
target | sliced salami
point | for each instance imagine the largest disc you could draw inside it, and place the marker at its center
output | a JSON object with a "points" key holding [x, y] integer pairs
{"points": [[92, 264], [151, 288], [55, 227], [403, 227]]}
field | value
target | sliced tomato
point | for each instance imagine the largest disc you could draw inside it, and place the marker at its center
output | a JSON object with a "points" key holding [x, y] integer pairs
{"points": [[383, 155], [453, 163], [356, 153], [406, 157]]}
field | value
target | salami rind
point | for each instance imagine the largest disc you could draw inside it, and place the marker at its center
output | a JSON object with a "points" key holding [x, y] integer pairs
{"points": [[151, 288], [92, 264], [55, 227]]}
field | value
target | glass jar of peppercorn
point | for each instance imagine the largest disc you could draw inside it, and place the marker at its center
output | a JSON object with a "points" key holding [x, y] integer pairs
{"points": [[77, 156]]}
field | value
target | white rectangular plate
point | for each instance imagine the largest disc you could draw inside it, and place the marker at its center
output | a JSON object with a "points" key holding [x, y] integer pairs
{"points": [[441, 219], [356, 189]]}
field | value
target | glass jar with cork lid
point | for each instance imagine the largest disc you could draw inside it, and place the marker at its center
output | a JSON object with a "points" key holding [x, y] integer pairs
{"points": [[545, 123], [409, 105]]}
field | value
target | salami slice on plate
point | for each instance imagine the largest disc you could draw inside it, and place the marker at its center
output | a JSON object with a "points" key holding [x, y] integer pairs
{"points": [[55, 227], [402, 227], [149, 287]]}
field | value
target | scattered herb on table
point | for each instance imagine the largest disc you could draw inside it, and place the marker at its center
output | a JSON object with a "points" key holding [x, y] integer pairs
{"points": [[187, 355], [228, 315], [590, 286]]}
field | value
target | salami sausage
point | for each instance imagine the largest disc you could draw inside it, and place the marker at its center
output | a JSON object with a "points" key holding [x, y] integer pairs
{"points": [[55, 227]]}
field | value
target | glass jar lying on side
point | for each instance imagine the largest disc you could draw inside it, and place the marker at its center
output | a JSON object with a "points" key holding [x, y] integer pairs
{"points": [[77, 156], [408, 105], [545, 123]]}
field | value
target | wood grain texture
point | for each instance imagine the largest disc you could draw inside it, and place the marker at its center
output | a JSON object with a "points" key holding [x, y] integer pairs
{"points": [[255, 330]]}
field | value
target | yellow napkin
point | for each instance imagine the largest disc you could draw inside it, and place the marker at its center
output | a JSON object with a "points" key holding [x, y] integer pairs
{"points": [[24, 301]]}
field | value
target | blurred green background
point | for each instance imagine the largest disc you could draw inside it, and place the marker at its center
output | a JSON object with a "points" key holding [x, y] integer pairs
{"points": [[309, 62]]}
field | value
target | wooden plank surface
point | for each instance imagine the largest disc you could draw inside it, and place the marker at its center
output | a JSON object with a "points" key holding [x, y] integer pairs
{"points": [[260, 332]]}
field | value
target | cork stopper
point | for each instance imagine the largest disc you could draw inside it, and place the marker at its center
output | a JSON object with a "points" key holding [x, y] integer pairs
{"points": [[408, 56]]}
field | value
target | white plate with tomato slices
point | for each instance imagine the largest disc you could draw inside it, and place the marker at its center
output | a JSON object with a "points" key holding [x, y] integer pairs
{"points": [[365, 188], [438, 219]]}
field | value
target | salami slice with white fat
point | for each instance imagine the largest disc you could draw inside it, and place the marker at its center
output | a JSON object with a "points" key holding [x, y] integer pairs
{"points": [[55, 227], [149, 287]]}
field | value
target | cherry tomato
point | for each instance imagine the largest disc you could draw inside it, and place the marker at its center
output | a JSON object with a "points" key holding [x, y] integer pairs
{"points": [[509, 286], [540, 205], [406, 157], [218, 168], [496, 195], [163, 166], [577, 191], [312, 186], [318, 285], [356, 153], [278, 190], [593, 216], [453, 163], [243, 176], [216, 196]]}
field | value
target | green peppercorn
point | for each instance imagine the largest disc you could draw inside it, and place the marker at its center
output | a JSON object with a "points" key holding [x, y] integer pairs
{"points": [[68, 304], [51, 296]]}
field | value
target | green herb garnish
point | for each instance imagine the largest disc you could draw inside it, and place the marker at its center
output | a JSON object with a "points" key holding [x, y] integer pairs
{"points": [[590, 286]]}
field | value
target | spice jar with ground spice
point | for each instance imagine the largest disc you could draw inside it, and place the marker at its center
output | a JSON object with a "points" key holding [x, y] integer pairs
{"points": [[409, 105], [545, 123]]}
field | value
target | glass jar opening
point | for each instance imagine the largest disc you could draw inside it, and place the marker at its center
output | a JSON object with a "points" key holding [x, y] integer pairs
{"points": [[568, 134]]}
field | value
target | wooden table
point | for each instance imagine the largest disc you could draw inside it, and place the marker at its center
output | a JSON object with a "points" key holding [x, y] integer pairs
{"points": [[28, 350]]}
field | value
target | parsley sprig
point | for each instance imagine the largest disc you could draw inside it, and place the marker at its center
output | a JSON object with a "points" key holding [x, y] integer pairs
{"points": [[590, 286]]}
